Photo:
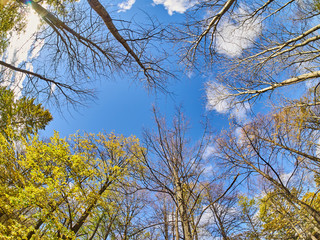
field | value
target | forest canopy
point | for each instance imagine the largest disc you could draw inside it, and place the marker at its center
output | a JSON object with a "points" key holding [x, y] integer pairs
{"points": [[257, 177]]}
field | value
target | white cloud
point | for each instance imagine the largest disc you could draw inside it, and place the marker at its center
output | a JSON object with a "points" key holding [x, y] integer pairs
{"points": [[189, 74], [179, 6], [239, 134], [208, 172], [207, 219], [127, 5], [239, 111], [285, 177], [307, 67], [237, 33], [208, 152], [22, 49], [219, 99], [294, 177], [304, 3], [52, 88]]}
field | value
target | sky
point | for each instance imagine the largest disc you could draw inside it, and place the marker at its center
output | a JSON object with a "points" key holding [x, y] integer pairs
{"points": [[125, 107]]}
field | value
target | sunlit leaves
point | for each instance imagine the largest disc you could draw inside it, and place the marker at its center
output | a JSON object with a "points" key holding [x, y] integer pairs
{"points": [[54, 186], [12, 19], [22, 116]]}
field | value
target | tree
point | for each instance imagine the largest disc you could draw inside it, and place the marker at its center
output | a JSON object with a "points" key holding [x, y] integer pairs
{"points": [[54, 189], [22, 115], [261, 47], [258, 46], [281, 148], [250, 225], [271, 216], [223, 217], [175, 169], [281, 220], [80, 46]]}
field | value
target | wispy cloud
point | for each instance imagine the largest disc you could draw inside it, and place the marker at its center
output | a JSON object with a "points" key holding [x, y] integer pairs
{"points": [[22, 49], [237, 33], [239, 111], [208, 152], [52, 88], [285, 177], [127, 5], [218, 99], [179, 6]]}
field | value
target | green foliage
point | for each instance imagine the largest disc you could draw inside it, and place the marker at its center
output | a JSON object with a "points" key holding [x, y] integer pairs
{"points": [[60, 188], [248, 208], [52, 189], [22, 116], [12, 19], [278, 217], [282, 219], [317, 5], [246, 204]]}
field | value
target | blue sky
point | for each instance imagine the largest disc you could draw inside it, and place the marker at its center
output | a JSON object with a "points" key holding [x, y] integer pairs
{"points": [[123, 105], [126, 107]]}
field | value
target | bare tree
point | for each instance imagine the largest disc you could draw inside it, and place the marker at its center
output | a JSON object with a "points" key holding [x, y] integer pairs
{"points": [[80, 45], [175, 168], [224, 216], [258, 46]]}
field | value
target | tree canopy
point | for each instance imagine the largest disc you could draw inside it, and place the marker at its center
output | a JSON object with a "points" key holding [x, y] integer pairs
{"points": [[257, 179]]}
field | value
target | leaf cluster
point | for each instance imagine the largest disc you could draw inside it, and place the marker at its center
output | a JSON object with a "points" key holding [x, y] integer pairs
{"points": [[22, 115]]}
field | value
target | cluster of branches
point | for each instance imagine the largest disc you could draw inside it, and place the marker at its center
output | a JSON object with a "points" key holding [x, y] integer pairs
{"points": [[81, 42], [116, 188], [281, 149], [105, 186], [258, 46], [272, 45], [282, 51]]}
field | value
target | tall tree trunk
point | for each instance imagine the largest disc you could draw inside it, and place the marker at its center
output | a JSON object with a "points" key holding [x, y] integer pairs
{"points": [[166, 220], [176, 225], [183, 211]]}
